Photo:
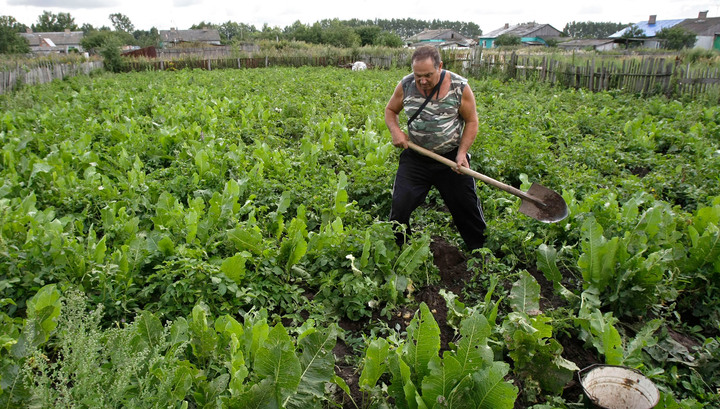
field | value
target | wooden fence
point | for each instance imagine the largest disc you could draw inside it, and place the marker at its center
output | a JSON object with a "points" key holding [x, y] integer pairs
{"points": [[44, 72], [646, 75], [261, 62]]}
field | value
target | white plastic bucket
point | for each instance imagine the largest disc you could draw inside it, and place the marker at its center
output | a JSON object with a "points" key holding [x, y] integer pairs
{"points": [[617, 387]]}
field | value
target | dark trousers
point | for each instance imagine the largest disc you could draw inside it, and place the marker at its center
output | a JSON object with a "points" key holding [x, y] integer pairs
{"points": [[415, 176]]}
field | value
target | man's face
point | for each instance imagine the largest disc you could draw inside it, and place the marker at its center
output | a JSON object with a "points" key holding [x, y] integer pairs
{"points": [[426, 75]]}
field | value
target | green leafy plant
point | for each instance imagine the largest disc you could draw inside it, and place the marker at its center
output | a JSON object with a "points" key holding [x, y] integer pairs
{"points": [[463, 377], [528, 336]]}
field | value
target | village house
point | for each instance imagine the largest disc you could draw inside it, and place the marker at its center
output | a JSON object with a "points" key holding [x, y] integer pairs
{"points": [[595, 44], [442, 38], [63, 42], [529, 34], [173, 37], [650, 28], [707, 30]]}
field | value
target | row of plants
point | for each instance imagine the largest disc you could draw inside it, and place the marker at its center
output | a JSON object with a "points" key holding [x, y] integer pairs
{"points": [[160, 198]]}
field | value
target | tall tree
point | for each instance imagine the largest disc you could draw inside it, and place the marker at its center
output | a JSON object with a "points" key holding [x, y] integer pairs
{"points": [[10, 40], [50, 22], [122, 22]]}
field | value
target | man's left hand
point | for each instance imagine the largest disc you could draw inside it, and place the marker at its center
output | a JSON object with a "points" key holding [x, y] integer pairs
{"points": [[461, 161]]}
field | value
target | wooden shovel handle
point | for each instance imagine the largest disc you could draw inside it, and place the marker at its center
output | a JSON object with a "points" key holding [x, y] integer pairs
{"points": [[490, 181]]}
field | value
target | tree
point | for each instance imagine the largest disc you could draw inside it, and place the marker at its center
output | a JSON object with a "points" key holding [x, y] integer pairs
{"points": [[100, 39], [633, 31], [50, 22], [147, 38], [507, 39], [122, 22], [10, 40], [676, 38], [388, 39], [270, 33], [589, 29], [340, 35], [368, 34]]}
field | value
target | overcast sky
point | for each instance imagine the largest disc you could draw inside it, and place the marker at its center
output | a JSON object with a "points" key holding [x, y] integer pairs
{"points": [[164, 14]]}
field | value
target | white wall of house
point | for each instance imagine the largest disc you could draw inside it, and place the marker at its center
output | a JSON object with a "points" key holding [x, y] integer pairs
{"points": [[705, 42]]}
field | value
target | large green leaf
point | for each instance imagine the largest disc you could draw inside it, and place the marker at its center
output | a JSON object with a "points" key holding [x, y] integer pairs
{"points": [[374, 363], [439, 386], [606, 338], [705, 248], [473, 352], [276, 360], [401, 387], [525, 295], [413, 256], [317, 364], [547, 263], [150, 329], [489, 390], [234, 267], [423, 343], [247, 238], [597, 263], [43, 311]]}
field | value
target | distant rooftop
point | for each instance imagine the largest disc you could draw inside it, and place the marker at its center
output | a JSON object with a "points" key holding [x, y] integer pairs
{"points": [[650, 27]]}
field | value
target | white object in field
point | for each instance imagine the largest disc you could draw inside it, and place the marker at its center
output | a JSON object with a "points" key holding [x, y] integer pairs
{"points": [[359, 66], [613, 387]]}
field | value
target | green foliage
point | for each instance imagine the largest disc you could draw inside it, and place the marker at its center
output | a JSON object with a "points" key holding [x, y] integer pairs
{"points": [[99, 40], [111, 57], [10, 40], [527, 334], [633, 31], [187, 362], [676, 38], [591, 29], [465, 377], [160, 191], [507, 40], [121, 22], [49, 22]]}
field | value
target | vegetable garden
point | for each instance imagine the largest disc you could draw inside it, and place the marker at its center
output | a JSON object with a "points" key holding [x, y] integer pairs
{"points": [[220, 239]]}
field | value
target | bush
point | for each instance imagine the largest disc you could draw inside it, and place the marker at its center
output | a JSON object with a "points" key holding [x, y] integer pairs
{"points": [[112, 59]]}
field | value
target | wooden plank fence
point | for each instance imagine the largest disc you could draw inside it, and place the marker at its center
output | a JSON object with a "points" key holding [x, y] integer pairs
{"points": [[44, 72], [646, 76]]}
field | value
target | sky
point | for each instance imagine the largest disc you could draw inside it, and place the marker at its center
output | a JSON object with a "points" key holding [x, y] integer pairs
{"points": [[489, 15]]}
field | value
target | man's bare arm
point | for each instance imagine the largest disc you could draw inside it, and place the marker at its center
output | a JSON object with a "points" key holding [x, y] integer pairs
{"points": [[392, 115], [468, 110]]}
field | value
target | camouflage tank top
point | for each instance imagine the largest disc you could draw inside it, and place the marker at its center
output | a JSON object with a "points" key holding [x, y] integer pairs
{"points": [[439, 126]]}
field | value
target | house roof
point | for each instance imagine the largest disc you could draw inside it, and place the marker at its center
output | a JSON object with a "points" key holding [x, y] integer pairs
{"points": [[176, 36], [54, 39], [650, 30], [520, 30], [441, 34], [702, 26], [586, 42]]}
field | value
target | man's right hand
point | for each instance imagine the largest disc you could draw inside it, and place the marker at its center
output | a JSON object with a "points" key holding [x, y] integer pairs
{"points": [[400, 139]]}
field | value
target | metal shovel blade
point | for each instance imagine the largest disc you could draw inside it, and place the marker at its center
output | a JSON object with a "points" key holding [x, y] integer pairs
{"points": [[551, 207]]}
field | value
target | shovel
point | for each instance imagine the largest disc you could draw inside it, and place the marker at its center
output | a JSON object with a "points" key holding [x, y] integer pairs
{"points": [[538, 202]]}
